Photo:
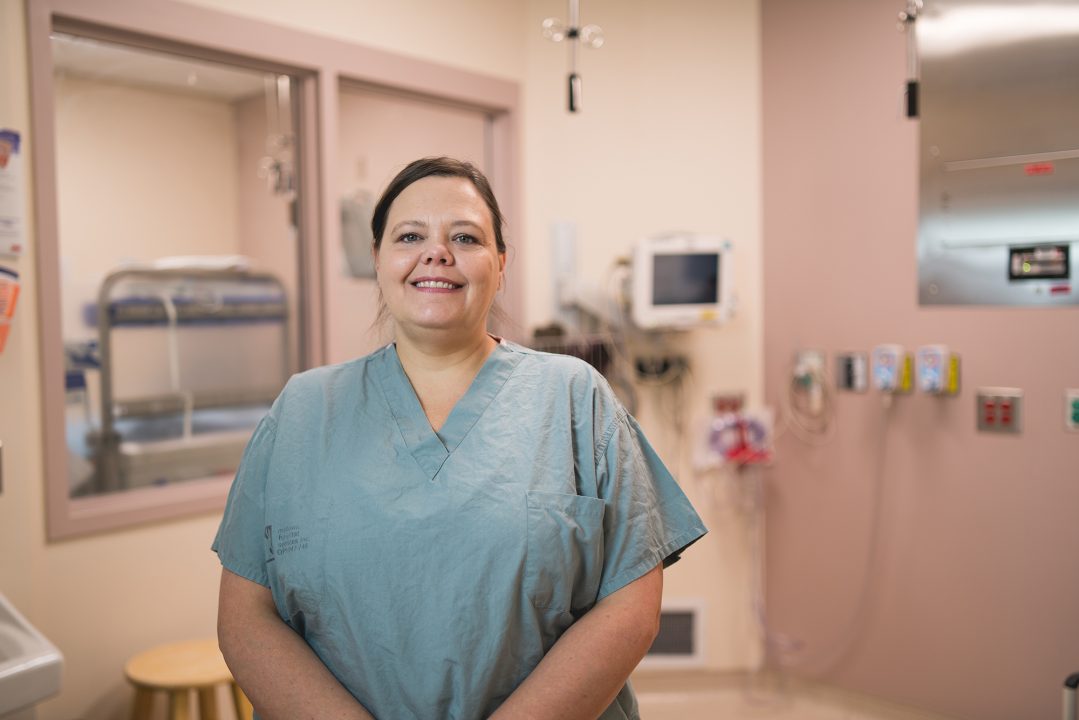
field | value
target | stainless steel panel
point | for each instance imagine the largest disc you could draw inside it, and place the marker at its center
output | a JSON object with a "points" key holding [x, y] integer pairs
{"points": [[999, 148]]}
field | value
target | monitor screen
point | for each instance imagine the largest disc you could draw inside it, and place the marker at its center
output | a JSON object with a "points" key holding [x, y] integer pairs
{"points": [[685, 279], [1043, 262], [681, 281]]}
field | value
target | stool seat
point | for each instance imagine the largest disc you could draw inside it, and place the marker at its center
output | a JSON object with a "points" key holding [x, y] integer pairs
{"points": [[192, 664], [178, 669]]}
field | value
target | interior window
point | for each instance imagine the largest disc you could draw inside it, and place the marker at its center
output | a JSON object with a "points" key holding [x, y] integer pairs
{"points": [[179, 260]]}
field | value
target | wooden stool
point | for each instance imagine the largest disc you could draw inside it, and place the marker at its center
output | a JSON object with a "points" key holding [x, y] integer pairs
{"points": [[178, 669]]}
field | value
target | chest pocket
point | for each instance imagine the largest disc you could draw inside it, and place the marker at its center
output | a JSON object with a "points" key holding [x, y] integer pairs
{"points": [[564, 556]]}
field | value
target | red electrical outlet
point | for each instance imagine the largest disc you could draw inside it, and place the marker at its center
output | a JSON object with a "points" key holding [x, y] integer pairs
{"points": [[999, 409]]}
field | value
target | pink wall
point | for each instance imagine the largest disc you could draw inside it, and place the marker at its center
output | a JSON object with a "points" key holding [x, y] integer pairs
{"points": [[971, 593]]}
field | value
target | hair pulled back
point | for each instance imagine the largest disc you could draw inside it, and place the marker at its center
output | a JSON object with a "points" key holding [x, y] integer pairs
{"points": [[436, 167]]}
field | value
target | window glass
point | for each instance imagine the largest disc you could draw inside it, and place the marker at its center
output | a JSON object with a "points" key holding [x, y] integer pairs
{"points": [[179, 260]]}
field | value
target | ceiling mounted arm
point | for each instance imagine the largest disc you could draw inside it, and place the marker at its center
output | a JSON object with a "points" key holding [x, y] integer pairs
{"points": [[907, 19], [589, 35]]}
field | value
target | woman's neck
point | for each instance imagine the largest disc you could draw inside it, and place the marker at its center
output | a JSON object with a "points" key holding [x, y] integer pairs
{"points": [[441, 373], [425, 356]]}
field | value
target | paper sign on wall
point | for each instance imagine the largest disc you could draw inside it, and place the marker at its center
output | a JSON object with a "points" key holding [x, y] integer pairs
{"points": [[9, 293], [12, 227]]}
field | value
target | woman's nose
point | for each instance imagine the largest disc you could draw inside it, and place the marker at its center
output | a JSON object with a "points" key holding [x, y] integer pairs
{"points": [[437, 253]]}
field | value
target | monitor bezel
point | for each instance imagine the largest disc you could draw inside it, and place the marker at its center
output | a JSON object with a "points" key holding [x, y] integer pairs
{"points": [[647, 314]]}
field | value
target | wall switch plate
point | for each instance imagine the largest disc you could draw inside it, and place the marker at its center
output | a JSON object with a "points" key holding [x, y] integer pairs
{"points": [[999, 410], [1071, 409], [852, 371]]}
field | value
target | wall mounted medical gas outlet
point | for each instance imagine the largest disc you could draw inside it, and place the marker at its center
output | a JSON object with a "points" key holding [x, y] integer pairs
{"points": [[891, 367], [1071, 410], [937, 370], [809, 379], [852, 371], [1000, 410], [808, 362]]}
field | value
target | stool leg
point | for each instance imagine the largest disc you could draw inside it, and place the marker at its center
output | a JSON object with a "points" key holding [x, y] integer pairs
{"points": [[143, 707], [207, 704], [244, 711], [178, 705]]}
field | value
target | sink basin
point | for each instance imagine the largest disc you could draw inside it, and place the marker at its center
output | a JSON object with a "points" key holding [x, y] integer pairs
{"points": [[29, 664]]}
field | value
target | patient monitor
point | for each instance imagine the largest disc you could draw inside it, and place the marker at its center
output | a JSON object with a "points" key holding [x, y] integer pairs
{"points": [[682, 281]]}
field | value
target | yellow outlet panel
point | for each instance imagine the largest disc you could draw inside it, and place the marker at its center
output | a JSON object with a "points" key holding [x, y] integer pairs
{"points": [[906, 374], [951, 382]]}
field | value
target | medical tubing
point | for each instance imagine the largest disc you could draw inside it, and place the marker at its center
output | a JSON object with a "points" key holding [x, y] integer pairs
{"points": [[813, 430], [675, 378], [846, 640], [773, 643], [791, 649], [172, 335], [772, 639], [174, 352], [616, 368], [677, 392], [619, 343]]}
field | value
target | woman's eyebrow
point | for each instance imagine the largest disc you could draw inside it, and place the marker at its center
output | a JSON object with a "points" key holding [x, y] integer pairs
{"points": [[473, 225], [467, 223], [406, 223]]}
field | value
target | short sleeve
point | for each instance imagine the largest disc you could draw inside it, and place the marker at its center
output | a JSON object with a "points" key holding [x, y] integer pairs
{"points": [[240, 539], [648, 519]]}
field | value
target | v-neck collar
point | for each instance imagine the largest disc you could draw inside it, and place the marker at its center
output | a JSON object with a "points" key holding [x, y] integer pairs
{"points": [[431, 449]]}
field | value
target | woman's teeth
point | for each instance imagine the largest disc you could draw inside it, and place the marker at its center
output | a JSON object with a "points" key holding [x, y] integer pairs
{"points": [[435, 284]]}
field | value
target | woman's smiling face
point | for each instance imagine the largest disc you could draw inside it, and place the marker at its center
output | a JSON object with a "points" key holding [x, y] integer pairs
{"points": [[438, 265]]}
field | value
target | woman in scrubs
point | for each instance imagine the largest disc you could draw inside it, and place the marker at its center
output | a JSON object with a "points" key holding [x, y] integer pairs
{"points": [[454, 526]]}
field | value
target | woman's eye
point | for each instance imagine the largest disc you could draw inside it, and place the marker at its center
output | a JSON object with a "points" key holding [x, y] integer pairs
{"points": [[409, 238], [465, 239]]}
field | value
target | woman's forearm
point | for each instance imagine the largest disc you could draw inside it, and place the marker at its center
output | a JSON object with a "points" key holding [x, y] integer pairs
{"points": [[584, 671], [276, 668]]}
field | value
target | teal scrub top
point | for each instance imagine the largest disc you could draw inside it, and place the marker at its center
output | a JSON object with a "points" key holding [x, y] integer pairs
{"points": [[431, 571]]}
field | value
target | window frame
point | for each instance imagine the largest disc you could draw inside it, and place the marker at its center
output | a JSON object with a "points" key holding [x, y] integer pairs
{"points": [[319, 64]]}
